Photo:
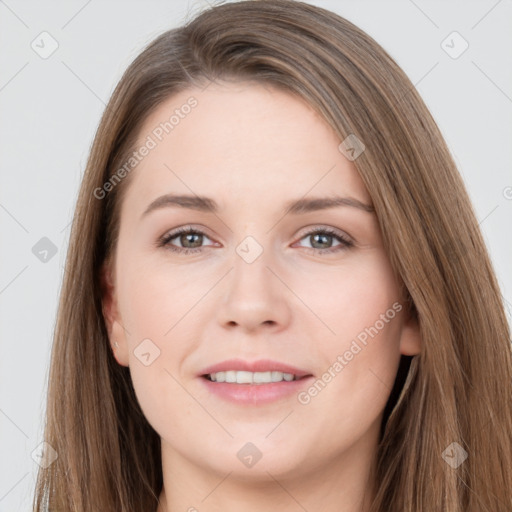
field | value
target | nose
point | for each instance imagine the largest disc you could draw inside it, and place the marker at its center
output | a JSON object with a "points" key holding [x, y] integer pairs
{"points": [[254, 297]]}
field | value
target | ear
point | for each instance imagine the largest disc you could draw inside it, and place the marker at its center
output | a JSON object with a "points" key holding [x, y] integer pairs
{"points": [[115, 329], [410, 339]]}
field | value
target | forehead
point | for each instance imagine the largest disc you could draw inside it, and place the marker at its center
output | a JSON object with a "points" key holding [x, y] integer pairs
{"points": [[241, 142]]}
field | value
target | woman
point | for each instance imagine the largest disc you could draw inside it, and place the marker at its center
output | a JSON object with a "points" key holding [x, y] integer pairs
{"points": [[333, 338]]}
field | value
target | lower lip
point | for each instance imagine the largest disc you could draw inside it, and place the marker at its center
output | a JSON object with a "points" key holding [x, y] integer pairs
{"points": [[256, 394]]}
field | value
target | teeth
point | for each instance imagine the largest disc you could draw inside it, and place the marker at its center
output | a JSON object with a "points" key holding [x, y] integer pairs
{"points": [[243, 377]]}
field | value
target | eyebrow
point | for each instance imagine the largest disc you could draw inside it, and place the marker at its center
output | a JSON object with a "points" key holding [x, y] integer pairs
{"points": [[294, 207]]}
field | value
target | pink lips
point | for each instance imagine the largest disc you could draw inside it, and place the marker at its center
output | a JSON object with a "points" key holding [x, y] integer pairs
{"points": [[255, 394]]}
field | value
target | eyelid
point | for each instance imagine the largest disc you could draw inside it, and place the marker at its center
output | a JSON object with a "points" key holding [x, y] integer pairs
{"points": [[175, 232], [345, 240], [313, 228]]}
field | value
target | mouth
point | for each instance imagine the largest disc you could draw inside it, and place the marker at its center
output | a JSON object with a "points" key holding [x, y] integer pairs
{"points": [[254, 383], [249, 378], [262, 371]]}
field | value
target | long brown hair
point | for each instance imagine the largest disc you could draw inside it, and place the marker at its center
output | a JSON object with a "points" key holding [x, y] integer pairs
{"points": [[458, 390]]}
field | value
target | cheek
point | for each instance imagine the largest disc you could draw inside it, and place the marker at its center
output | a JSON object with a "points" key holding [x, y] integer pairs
{"points": [[356, 295], [156, 311], [155, 308], [360, 350], [157, 301]]}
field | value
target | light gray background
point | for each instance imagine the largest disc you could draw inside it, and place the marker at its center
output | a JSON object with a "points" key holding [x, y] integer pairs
{"points": [[50, 109]]}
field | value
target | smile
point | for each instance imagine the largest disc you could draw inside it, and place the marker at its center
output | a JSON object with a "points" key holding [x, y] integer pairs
{"points": [[245, 377]]}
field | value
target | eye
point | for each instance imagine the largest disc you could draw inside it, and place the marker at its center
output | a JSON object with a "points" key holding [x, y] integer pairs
{"points": [[321, 240], [191, 240]]}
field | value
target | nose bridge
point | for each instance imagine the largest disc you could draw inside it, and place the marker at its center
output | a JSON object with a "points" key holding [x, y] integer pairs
{"points": [[254, 296], [251, 279], [250, 266]]}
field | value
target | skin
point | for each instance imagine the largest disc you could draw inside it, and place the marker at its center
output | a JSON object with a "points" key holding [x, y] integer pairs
{"points": [[253, 148]]}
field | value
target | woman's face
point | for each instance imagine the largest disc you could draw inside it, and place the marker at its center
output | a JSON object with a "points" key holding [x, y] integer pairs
{"points": [[257, 285]]}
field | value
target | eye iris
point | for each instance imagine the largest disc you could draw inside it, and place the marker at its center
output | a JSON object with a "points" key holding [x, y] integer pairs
{"points": [[323, 244], [185, 237]]}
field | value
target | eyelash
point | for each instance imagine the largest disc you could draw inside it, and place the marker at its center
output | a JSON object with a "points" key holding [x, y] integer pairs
{"points": [[164, 241]]}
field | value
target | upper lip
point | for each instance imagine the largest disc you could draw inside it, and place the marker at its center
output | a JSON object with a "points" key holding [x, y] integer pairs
{"points": [[261, 365]]}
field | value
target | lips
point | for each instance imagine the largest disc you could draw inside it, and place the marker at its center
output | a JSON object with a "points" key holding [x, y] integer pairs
{"points": [[261, 365], [254, 393]]}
